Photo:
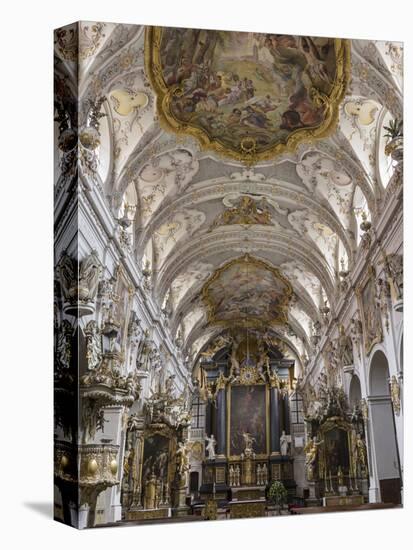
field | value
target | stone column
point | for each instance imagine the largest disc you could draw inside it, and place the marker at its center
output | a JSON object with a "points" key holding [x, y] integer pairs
{"points": [[286, 405], [208, 419], [221, 423], [274, 421], [113, 431]]}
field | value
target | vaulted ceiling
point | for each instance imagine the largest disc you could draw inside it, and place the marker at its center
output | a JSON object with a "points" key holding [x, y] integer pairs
{"points": [[195, 210]]}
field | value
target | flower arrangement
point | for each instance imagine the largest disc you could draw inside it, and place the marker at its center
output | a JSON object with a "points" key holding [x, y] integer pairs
{"points": [[277, 493]]}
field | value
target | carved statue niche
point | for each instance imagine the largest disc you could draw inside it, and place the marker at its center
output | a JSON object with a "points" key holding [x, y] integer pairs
{"points": [[332, 359], [93, 345], [63, 346], [65, 374], [92, 419], [79, 282], [393, 265], [356, 333], [316, 336], [383, 298], [135, 340], [345, 348]]}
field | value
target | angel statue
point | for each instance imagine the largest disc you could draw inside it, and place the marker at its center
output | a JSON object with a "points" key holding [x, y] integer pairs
{"points": [[361, 453], [210, 448], [235, 368], [311, 450], [182, 460], [263, 363]]}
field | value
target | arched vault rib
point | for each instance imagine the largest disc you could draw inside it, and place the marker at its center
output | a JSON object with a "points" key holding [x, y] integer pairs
{"points": [[370, 79], [106, 70], [339, 148], [152, 146], [209, 245], [272, 189], [372, 56]]}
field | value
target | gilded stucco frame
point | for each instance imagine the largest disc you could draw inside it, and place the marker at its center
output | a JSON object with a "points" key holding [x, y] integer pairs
{"points": [[281, 317], [247, 154]]}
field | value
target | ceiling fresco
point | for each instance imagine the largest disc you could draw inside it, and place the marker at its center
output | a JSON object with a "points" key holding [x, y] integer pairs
{"points": [[247, 292], [197, 150], [247, 95]]}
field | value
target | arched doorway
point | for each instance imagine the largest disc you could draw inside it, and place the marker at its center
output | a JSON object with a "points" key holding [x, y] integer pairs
{"points": [[383, 430]]}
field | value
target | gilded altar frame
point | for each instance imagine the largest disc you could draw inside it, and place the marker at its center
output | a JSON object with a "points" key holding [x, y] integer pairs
{"points": [[338, 423], [259, 456], [247, 152], [168, 433]]}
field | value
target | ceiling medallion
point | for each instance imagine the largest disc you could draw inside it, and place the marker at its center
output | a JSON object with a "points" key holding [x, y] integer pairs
{"points": [[245, 211], [248, 96], [247, 292]]}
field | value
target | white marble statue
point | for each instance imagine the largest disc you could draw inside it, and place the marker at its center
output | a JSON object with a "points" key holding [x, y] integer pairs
{"points": [[210, 448], [284, 444]]}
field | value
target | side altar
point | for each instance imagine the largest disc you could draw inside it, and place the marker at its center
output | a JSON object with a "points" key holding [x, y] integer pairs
{"points": [[336, 457], [156, 462]]}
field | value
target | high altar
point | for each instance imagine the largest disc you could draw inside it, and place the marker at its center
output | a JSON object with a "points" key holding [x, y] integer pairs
{"points": [[247, 423]]}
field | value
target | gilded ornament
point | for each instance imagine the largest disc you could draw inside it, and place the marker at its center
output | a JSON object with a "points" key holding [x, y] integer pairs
{"points": [[248, 375], [113, 466], [246, 211], [92, 466]]}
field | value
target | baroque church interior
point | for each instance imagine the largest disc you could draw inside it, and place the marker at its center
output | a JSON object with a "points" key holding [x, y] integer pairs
{"points": [[228, 276]]}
